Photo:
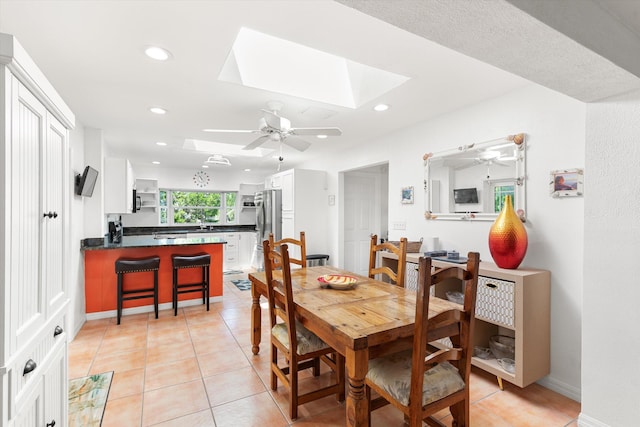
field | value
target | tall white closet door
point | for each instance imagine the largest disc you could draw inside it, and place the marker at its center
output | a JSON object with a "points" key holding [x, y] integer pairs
{"points": [[27, 296], [53, 240]]}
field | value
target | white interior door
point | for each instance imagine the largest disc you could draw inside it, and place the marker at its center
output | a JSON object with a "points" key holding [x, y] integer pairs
{"points": [[361, 218]]}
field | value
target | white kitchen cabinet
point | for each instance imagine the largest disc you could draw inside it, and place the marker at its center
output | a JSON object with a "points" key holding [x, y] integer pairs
{"points": [[231, 255], [119, 182], [35, 196], [246, 243], [147, 190], [305, 206]]}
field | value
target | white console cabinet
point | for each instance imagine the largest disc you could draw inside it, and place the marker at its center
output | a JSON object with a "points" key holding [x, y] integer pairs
{"points": [[35, 198], [516, 303]]}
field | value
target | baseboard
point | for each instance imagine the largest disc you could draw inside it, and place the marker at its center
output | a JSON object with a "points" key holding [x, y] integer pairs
{"points": [[587, 421], [147, 308], [563, 388]]}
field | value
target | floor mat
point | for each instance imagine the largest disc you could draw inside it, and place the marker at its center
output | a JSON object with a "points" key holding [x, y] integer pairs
{"points": [[233, 272], [242, 284], [88, 398]]}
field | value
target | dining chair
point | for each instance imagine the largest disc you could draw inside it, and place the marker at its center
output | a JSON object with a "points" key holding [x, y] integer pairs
{"points": [[301, 348], [397, 276], [300, 245], [425, 379]]}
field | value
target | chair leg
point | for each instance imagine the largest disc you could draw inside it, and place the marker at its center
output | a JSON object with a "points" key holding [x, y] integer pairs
{"points": [[340, 376], [274, 364], [316, 367], [206, 284], [293, 390], [460, 414]]}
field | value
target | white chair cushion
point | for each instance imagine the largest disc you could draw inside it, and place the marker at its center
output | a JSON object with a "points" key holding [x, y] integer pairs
{"points": [[393, 374], [308, 342]]}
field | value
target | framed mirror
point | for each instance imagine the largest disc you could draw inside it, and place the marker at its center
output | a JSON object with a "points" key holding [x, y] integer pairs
{"points": [[471, 181]]}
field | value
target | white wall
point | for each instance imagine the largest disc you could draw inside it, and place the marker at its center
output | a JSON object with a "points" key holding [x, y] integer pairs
{"points": [[555, 128], [610, 338], [75, 259]]}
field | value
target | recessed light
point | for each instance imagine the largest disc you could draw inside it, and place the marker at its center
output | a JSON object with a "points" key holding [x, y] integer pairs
{"points": [[321, 136], [158, 110], [247, 170], [155, 162], [160, 143], [205, 166], [157, 53], [381, 107]]}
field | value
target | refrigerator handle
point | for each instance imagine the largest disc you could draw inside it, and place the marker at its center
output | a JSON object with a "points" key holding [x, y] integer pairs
{"points": [[260, 222]]}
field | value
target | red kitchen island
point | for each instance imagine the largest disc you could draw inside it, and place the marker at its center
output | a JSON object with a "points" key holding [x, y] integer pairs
{"points": [[100, 279]]}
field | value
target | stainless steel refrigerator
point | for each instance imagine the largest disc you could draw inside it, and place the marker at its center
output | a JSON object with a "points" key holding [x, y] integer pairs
{"points": [[268, 220]]}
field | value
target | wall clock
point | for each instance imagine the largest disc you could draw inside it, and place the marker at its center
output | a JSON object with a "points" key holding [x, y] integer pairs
{"points": [[201, 179]]}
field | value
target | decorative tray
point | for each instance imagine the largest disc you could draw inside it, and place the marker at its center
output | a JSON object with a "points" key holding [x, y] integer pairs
{"points": [[337, 281]]}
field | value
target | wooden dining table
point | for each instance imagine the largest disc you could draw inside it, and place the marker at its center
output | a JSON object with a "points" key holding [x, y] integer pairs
{"points": [[371, 319]]}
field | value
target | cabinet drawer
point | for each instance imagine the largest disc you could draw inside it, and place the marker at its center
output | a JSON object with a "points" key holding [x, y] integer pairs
{"points": [[38, 351], [495, 301]]}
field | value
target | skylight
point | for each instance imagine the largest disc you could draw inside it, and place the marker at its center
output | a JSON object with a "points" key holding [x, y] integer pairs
{"points": [[211, 148], [265, 62]]}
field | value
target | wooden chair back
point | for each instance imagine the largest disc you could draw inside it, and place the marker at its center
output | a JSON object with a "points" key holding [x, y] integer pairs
{"points": [[280, 306], [457, 324], [400, 251], [299, 243], [282, 311]]}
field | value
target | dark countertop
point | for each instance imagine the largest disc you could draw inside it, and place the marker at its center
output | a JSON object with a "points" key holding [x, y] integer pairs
{"points": [[146, 241], [183, 229]]}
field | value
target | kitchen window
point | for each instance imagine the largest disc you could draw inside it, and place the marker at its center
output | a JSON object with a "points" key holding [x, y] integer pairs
{"points": [[197, 207]]}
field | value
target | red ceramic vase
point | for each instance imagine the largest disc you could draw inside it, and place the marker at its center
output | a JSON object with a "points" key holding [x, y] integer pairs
{"points": [[508, 238]]}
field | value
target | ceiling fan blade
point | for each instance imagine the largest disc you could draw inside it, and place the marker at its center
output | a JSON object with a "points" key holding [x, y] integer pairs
{"points": [[230, 131], [256, 143], [316, 131], [297, 143]]}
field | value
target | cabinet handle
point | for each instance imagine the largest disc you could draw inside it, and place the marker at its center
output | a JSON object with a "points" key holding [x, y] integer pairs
{"points": [[52, 423], [55, 214], [491, 285], [29, 366], [50, 214], [57, 331]]}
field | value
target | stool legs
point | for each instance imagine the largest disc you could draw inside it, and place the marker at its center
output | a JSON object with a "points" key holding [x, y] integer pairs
{"points": [[119, 297], [155, 291], [202, 286]]}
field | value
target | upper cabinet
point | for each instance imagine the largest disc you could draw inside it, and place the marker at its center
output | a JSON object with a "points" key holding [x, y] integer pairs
{"points": [[470, 182], [119, 183]]}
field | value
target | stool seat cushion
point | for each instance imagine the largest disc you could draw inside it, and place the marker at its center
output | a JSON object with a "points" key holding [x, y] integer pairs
{"points": [[131, 265], [188, 261]]}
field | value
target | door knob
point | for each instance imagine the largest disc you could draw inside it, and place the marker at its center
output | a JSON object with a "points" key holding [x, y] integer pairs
{"points": [[29, 366], [57, 331]]}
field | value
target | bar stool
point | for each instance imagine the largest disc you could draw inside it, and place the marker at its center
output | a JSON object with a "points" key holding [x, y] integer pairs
{"points": [[190, 261], [137, 265]]}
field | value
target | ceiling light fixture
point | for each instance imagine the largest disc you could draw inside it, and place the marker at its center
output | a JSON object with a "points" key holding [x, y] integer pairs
{"points": [[247, 170], [321, 136], [157, 53], [160, 143], [205, 166], [158, 110], [156, 162], [217, 159], [381, 107]]}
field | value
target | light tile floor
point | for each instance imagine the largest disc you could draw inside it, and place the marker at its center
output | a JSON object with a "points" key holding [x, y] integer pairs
{"points": [[197, 370]]}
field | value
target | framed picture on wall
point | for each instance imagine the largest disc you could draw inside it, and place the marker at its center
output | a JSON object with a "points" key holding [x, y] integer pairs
{"points": [[566, 183], [407, 195]]}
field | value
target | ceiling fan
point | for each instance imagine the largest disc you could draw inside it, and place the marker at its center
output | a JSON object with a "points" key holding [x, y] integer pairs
{"points": [[273, 127]]}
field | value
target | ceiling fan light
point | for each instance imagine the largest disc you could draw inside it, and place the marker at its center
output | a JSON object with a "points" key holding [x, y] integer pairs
{"points": [[217, 159]]}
